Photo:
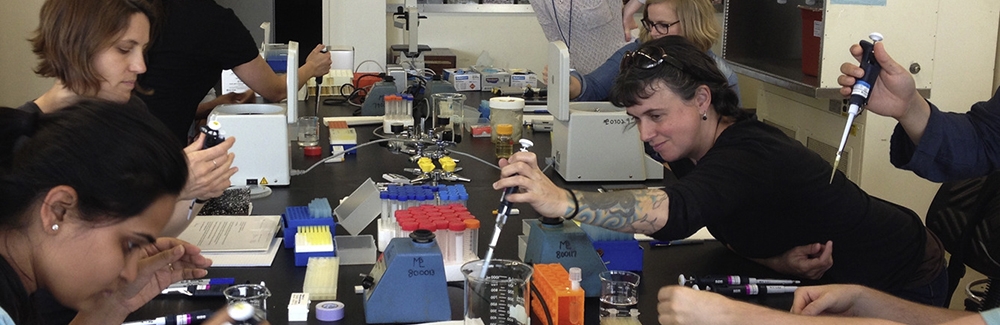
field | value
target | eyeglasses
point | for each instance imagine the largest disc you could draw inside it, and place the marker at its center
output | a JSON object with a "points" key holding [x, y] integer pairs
{"points": [[659, 27], [647, 61]]}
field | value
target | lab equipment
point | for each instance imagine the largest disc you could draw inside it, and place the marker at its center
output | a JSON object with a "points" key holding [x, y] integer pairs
{"points": [[313, 241], [262, 153], [319, 85], [199, 287], [182, 319], [860, 92], [504, 143], [496, 292], [561, 293], [587, 137], [507, 110], [321, 277], [214, 134], [317, 213], [552, 240], [375, 100], [449, 115], [729, 280], [243, 297], [409, 19], [748, 289], [308, 127], [619, 290], [408, 284], [502, 212]]}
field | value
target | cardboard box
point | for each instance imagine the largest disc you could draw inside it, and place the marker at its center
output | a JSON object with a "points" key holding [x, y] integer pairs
{"points": [[523, 79], [463, 80], [493, 77]]}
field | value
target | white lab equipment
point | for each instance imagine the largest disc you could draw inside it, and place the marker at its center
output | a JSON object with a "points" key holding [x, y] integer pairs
{"points": [[262, 132], [588, 137]]}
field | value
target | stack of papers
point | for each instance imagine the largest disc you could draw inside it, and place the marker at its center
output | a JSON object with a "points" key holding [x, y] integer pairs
{"points": [[235, 241]]}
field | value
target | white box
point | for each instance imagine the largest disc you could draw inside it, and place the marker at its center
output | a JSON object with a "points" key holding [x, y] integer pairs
{"points": [[341, 140], [463, 80], [521, 80], [492, 78]]}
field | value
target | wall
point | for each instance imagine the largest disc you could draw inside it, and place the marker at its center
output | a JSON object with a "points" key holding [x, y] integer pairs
{"points": [[19, 84]]}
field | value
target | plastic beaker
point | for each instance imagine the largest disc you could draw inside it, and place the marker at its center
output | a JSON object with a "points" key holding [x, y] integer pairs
{"points": [[507, 110], [502, 297], [253, 294], [449, 111], [619, 288]]}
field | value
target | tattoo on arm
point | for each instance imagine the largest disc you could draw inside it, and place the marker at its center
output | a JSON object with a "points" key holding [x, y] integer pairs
{"points": [[636, 211]]}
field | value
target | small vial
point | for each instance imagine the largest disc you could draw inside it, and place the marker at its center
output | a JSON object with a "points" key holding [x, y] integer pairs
{"points": [[576, 305], [505, 143], [458, 234], [472, 238]]}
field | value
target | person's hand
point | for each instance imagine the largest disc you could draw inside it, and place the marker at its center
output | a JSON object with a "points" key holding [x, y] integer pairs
{"points": [[628, 23], [683, 305], [534, 188], [826, 300], [318, 63], [230, 98], [166, 261], [545, 75], [209, 170], [894, 92], [161, 263], [807, 261]]}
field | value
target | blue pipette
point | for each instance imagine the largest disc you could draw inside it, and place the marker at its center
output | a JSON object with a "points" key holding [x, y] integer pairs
{"points": [[859, 93], [502, 212]]}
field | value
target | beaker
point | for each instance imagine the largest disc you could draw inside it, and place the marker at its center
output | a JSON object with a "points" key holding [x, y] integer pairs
{"points": [[308, 131], [507, 110], [449, 112], [501, 298], [253, 294], [619, 289]]}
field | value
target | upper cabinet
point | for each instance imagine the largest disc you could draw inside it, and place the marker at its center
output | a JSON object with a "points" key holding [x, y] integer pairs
{"points": [[800, 47]]}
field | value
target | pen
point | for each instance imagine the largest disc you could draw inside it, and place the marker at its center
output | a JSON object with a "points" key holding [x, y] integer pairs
{"points": [[195, 317], [678, 242]]}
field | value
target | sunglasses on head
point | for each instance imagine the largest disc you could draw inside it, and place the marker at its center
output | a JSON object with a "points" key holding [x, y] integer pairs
{"points": [[648, 58]]}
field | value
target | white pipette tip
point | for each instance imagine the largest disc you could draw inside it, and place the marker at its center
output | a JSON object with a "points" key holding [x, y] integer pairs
{"points": [[876, 36]]}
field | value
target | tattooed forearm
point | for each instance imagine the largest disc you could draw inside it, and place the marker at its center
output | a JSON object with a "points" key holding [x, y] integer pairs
{"points": [[635, 211]]}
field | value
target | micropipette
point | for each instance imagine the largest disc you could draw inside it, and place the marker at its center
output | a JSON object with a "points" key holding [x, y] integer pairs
{"points": [[860, 91], [319, 82], [502, 212], [730, 280]]}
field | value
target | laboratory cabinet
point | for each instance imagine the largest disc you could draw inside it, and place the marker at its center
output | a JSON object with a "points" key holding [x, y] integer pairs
{"points": [[788, 55]]}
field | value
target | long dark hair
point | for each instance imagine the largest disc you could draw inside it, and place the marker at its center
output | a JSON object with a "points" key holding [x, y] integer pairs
{"points": [[680, 65], [117, 157]]}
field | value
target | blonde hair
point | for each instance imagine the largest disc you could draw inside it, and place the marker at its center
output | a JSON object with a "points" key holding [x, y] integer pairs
{"points": [[697, 18]]}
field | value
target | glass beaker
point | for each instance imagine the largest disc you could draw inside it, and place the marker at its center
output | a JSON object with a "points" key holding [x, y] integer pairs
{"points": [[619, 290], [506, 110], [253, 294], [308, 131], [502, 297], [449, 112]]}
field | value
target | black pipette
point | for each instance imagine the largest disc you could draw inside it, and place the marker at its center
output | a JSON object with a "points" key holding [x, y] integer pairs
{"points": [[502, 212], [859, 93], [319, 81]]}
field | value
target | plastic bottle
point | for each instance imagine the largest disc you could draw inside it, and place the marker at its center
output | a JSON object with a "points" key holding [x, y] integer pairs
{"points": [[505, 143]]}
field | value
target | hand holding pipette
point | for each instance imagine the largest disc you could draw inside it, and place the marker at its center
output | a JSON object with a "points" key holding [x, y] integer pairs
{"points": [[860, 92], [502, 212]]}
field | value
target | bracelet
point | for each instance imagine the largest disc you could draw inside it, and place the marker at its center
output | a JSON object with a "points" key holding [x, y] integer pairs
{"points": [[576, 205]]}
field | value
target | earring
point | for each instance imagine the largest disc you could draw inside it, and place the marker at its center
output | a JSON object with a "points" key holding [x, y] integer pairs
{"points": [[704, 116], [55, 227]]}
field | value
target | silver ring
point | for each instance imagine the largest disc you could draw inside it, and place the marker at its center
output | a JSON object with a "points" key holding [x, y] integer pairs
{"points": [[171, 266], [215, 163]]}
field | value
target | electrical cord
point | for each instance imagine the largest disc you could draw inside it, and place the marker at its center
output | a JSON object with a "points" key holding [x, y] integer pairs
{"points": [[545, 307], [297, 172]]}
